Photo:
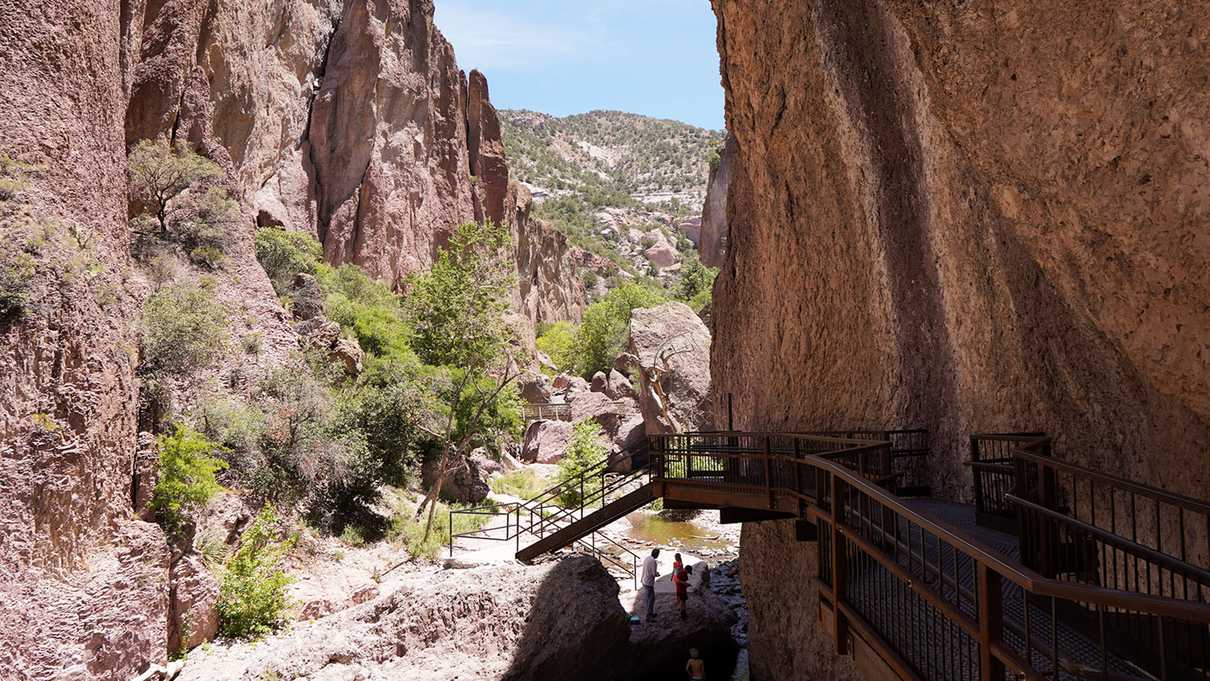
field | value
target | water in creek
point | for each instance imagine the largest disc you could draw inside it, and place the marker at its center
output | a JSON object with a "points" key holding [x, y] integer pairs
{"points": [[687, 534]]}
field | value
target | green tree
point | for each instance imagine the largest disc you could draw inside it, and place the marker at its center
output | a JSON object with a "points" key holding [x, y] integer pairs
{"points": [[557, 341], [458, 313], [185, 328], [585, 451], [177, 186], [252, 598], [696, 284], [186, 476], [603, 328]]}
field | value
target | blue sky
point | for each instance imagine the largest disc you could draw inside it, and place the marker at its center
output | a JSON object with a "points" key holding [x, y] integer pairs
{"points": [[653, 57]]}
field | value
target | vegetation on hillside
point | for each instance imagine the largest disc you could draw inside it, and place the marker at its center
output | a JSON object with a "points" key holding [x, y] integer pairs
{"points": [[606, 153]]}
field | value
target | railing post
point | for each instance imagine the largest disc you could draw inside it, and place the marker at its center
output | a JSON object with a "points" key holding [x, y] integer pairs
{"points": [[451, 519], [768, 480], [798, 475], [978, 479], [838, 571], [991, 623]]}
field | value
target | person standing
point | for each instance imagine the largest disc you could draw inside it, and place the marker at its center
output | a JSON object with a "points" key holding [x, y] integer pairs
{"points": [[696, 668], [651, 570], [681, 579]]}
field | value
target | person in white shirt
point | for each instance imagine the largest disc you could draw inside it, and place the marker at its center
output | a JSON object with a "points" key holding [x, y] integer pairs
{"points": [[650, 572]]}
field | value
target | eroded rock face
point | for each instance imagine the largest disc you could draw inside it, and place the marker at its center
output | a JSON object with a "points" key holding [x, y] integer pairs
{"points": [[84, 584], [712, 240], [557, 621], [944, 216], [192, 604]]}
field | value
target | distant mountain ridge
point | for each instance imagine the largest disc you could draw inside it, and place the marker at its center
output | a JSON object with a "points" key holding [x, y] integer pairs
{"points": [[649, 159]]}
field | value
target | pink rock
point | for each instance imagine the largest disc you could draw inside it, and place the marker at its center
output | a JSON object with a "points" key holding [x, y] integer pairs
{"points": [[193, 601], [365, 593]]}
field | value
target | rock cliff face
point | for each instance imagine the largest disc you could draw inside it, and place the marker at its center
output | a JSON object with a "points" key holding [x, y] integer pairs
{"points": [[67, 387], [713, 239], [355, 124], [348, 120], [964, 216]]}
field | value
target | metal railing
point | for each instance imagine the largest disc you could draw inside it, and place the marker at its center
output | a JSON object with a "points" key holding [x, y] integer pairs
{"points": [[557, 507], [933, 602], [993, 467], [552, 411]]}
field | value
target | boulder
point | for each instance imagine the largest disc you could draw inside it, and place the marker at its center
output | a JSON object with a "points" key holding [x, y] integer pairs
{"points": [[545, 441], [318, 332], [308, 297], [600, 383], [536, 389], [559, 620], [568, 383], [659, 648], [663, 256], [576, 628], [192, 604], [348, 352], [672, 346], [620, 386], [691, 227], [600, 408], [466, 484], [488, 465], [631, 433]]}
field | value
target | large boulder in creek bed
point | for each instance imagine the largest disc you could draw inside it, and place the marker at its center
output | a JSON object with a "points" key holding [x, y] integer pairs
{"points": [[671, 347], [545, 441], [576, 628]]}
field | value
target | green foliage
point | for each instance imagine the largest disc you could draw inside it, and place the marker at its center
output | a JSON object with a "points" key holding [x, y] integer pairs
{"points": [[186, 476], [16, 279], [252, 599], [182, 200], [603, 328], [523, 483], [696, 284], [13, 177], [284, 254], [185, 328], [369, 311], [557, 341], [585, 451], [458, 307], [405, 529]]}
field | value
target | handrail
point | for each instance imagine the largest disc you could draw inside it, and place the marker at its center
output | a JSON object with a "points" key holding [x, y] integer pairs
{"points": [[1158, 557], [1189, 503], [1021, 575]]}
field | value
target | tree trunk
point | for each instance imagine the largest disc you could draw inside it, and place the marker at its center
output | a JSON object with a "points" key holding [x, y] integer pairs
{"points": [[434, 494]]}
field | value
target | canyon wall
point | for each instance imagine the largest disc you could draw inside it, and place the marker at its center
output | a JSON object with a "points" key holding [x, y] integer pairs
{"points": [[967, 217], [351, 121]]}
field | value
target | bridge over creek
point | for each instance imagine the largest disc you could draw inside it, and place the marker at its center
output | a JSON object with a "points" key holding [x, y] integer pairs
{"points": [[1055, 573]]}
